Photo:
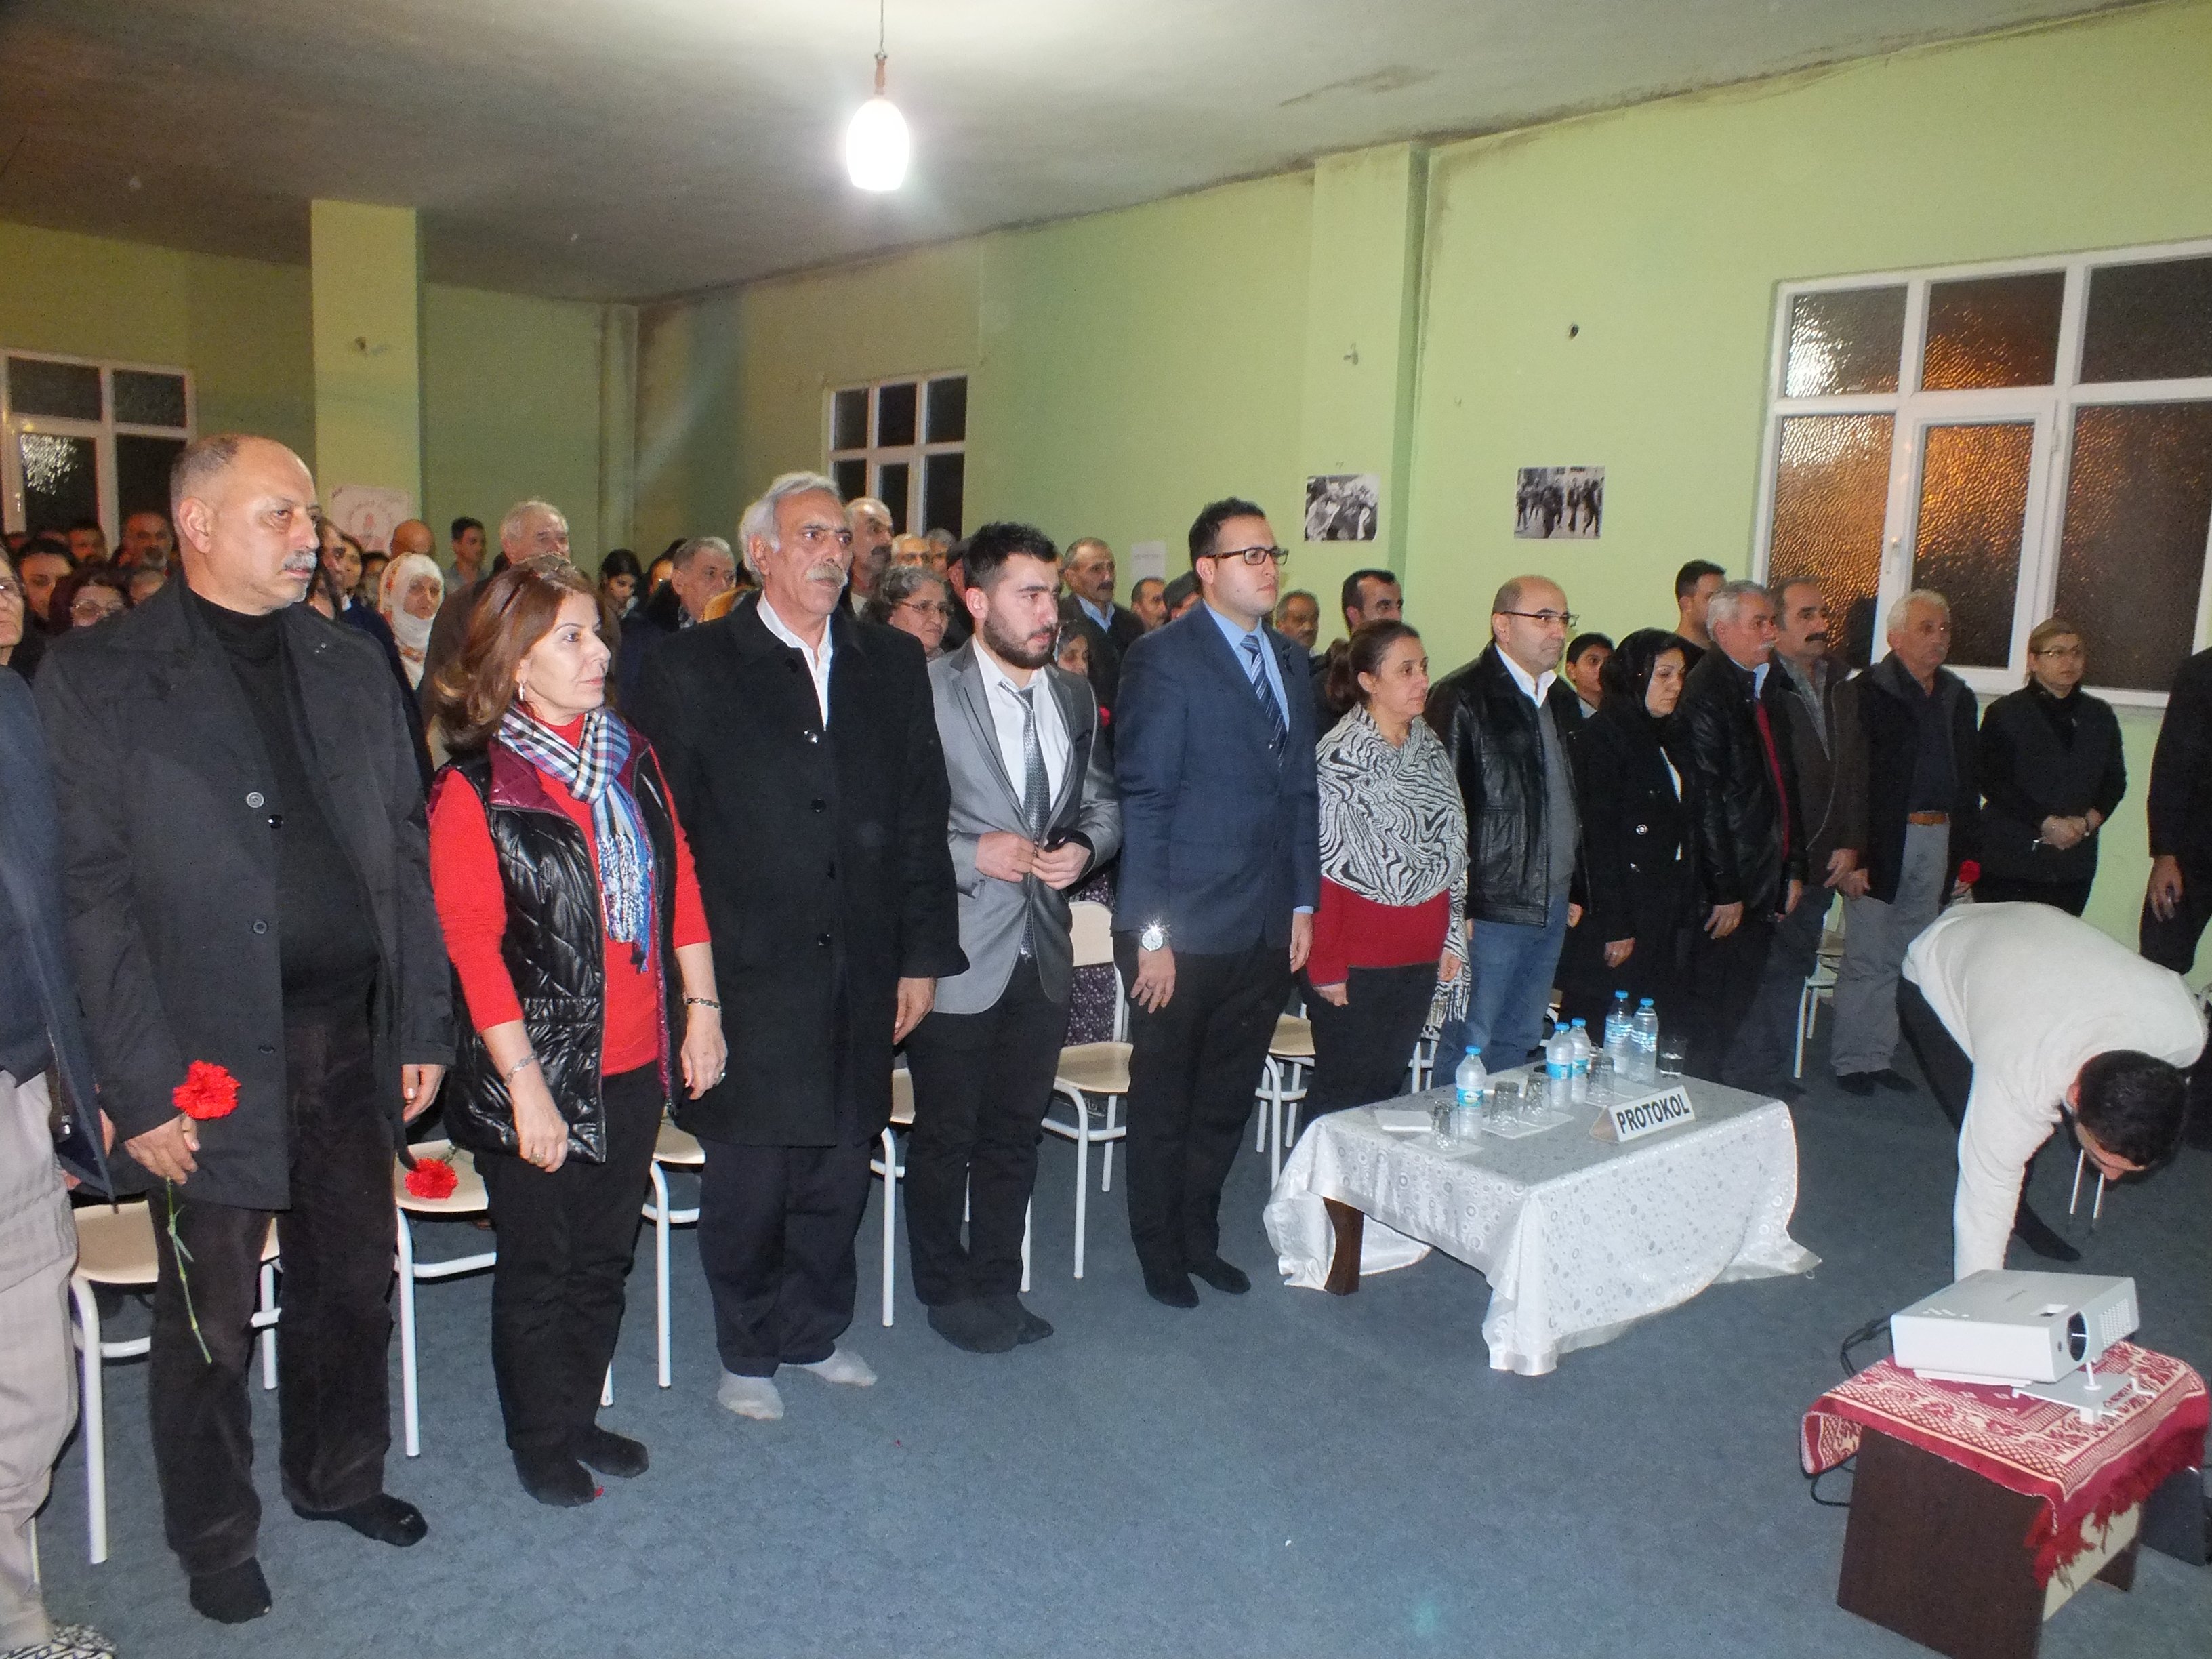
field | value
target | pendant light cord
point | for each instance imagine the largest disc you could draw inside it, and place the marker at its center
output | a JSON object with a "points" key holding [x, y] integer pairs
{"points": [[881, 7]]}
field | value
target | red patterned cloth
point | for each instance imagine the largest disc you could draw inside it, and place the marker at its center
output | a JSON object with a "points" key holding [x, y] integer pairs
{"points": [[2084, 1473]]}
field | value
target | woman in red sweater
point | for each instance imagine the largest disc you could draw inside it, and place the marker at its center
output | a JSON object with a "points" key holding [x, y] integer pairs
{"points": [[1393, 873], [573, 917]]}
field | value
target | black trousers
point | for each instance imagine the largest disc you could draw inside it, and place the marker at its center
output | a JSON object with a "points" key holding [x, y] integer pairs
{"points": [[1724, 976], [2172, 943], [332, 1401], [981, 1083], [1949, 1072], [776, 1226], [565, 1244], [2071, 896], [1362, 1049], [1194, 1069]]}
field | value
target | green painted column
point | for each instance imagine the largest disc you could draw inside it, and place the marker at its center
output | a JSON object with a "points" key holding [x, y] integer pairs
{"points": [[1362, 337], [617, 425], [367, 286]]}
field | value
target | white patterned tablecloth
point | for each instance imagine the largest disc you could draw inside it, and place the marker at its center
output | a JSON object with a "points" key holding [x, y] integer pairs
{"points": [[1578, 1237]]}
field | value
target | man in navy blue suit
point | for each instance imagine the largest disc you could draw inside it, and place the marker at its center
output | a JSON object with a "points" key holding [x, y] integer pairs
{"points": [[1220, 872]]}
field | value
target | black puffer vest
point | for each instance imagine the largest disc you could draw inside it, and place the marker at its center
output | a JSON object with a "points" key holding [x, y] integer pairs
{"points": [[555, 949]]}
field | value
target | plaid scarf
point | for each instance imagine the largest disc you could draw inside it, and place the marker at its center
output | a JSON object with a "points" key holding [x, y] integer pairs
{"points": [[592, 770]]}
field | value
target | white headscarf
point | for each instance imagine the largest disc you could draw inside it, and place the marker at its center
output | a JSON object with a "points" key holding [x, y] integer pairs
{"points": [[412, 632]]}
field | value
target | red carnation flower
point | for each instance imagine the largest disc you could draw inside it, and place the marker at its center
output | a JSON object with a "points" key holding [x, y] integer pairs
{"points": [[1970, 872], [208, 1091], [432, 1177]]}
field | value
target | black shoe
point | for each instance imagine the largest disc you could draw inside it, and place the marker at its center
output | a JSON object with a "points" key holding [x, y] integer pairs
{"points": [[386, 1519], [1225, 1277], [974, 1327], [1028, 1327], [610, 1453], [1173, 1288], [2032, 1230], [555, 1478], [1856, 1083], [233, 1595]]}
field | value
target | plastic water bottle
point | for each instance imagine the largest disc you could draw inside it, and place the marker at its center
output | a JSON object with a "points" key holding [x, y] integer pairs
{"points": [[1643, 1035], [1558, 1068], [1616, 1032], [1578, 1038], [1470, 1082]]}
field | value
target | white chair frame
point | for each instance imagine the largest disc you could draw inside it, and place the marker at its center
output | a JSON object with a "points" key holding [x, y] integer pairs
{"points": [[1283, 1081], [1820, 987], [1092, 925], [892, 1167], [668, 1152], [94, 1351]]}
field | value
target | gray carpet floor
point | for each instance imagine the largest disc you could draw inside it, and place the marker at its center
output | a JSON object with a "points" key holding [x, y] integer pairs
{"points": [[1286, 1474]]}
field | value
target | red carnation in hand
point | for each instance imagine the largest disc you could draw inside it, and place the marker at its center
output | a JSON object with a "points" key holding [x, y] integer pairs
{"points": [[1970, 872], [432, 1177], [208, 1091]]}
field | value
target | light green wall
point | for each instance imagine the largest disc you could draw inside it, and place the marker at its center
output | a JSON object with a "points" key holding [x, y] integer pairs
{"points": [[691, 380], [511, 410], [240, 325], [1662, 232], [367, 279]]}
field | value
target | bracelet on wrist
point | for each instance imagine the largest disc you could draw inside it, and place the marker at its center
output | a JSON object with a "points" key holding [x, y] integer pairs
{"points": [[702, 1002], [507, 1077]]}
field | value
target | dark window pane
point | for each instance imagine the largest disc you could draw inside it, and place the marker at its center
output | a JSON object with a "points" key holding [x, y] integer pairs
{"points": [[1973, 508], [144, 399], [948, 410], [851, 478], [2149, 322], [1831, 492], [895, 413], [1993, 330], [2131, 556], [70, 391], [943, 477], [61, 480], [892, 490], [142, 472], [848, 419], [1844, 341]]}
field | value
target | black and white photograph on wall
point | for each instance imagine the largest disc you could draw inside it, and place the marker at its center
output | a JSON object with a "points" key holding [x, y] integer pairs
{"points": [[1342, 507], [1558, 503]]}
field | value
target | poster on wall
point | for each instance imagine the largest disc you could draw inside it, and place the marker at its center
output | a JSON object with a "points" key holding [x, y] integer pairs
{"points": [[1342, 507], [1558, 503], [1148, 562], [369, 514]]}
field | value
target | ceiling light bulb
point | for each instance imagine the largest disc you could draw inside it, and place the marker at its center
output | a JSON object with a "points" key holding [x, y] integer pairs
{"points": [[875, 144]]}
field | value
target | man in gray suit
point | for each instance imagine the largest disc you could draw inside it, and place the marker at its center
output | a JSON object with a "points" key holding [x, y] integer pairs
{"points": [[1034, 811]]}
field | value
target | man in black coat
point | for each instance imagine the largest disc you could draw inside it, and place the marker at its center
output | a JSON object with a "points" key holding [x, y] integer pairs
{"points": [[248, 887], [801, 748], [1087, 568], [1746, 822], [1908, 783], [700, 571], [2177, 902]]}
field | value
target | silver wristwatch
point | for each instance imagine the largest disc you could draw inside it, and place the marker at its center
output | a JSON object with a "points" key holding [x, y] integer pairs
{"points": [[1154, 937]]}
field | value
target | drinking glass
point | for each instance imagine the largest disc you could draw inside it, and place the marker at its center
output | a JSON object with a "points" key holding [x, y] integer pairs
{"points": [[1506, 1097], [1674, 1054], [1600, 1080]]}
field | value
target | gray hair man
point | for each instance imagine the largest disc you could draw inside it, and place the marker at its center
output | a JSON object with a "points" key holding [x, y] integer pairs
{"points": [[530, 528], [701, 569], [870, 522], [1086, 568], [1912, 803]]}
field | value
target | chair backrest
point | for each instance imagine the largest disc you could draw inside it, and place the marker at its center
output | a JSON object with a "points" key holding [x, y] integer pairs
{"points": [[1090, 930]]}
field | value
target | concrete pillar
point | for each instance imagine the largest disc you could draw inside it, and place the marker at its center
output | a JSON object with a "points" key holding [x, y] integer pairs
{"points": [[618, 426], [367, 288]]}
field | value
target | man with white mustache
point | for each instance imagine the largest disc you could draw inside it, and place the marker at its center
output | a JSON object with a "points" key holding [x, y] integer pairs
{"points": [[801, 744]]}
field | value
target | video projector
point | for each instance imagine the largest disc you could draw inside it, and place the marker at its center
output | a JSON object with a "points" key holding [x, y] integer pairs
{"points": [[2038, 1333]]}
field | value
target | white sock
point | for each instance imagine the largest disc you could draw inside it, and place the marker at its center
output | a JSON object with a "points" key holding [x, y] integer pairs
{"points": [[756, 1397], [843, 1366]]}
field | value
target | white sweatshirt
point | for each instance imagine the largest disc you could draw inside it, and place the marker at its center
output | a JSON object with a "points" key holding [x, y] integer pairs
{"points": [[2031, 993]]}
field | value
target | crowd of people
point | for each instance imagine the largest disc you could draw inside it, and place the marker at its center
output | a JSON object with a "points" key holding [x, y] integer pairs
{"points": [[512, 857]]}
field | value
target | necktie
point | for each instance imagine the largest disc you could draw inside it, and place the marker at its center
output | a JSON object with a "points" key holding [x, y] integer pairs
{"points": [[1774, 770], [1278, 729], [1036, 797]]}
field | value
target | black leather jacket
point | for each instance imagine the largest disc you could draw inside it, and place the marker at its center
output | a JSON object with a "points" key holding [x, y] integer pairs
{"points": [[1490, 729], [554, 949], [1739, 817]]}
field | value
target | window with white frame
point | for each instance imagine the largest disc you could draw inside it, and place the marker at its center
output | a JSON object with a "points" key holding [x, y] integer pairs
{"points": [[2031, 438], [87, 440], [905, 442]]}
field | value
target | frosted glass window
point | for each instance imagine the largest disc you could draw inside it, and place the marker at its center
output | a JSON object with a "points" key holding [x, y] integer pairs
{"points": [[948, 410], [848, 419], [142, 472], [1993, 332], [851, 477], [2149, 322], [145, 398], [1831, 490], [893, 480], [68, 392], [944, 482], [1844, 341], [1973, 515], [2131, 557], [895, 413], [61, 479]]}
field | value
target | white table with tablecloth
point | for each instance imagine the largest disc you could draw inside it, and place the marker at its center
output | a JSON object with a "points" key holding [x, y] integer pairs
{"points": [[1578, 1237]]}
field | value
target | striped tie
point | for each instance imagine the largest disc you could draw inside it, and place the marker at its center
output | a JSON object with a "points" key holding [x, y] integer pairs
{"points": [[1278, 729], [1036, 797]]}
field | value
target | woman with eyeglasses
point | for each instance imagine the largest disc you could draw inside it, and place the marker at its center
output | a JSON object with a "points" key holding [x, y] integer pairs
{"points": [[2052, 772], [89, 594], [916, 600], [20, 644]]}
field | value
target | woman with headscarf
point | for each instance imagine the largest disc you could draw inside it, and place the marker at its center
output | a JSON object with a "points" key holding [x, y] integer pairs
{"points": [[408, 599], [1391, 921], [1636, 824]]}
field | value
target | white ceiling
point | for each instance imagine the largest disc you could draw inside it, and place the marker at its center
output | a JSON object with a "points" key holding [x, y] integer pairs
{"points": [[627, 149]]}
